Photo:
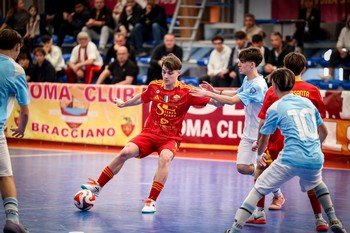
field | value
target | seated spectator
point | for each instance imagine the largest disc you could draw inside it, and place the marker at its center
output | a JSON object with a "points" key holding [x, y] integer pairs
{"points": [[257, 42], [151, 26], [32, 27], [168, 46], [232, 75], [279, 50], [309, 29], [54, 55], [84, 61], [250, 27], [74, 23], [100, 24], [43, 70], [128, 18], [16, 17], [217, 64], [24, 60], [119, 40], [123, 70], [117, 10], [341, 55]]}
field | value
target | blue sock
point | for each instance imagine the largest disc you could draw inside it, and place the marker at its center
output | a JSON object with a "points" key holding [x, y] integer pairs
{"points": [[11, 209]]}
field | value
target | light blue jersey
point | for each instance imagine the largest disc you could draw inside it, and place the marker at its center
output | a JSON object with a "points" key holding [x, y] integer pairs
{"points": [[298, 120], [13, 85], [252, 93]]}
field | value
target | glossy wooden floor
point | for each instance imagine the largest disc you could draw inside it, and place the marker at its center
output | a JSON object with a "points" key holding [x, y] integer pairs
{"points": [[200, 196]]}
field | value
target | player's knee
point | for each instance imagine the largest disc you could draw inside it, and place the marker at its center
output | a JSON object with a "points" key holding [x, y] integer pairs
{"points": [[244, 169], [164, 159]]}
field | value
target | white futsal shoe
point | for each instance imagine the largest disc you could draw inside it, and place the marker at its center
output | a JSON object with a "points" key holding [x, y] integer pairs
{"points": [[150, 206]]}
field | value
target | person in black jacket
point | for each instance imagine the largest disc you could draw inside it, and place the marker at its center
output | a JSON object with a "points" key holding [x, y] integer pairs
{"points": [[168, 46], [100, 24], [151, 26], [75, 21], [43, 70], [129, 17]]}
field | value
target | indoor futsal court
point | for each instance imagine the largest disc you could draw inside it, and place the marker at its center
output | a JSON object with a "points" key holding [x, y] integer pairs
{"points": [[201, 195]]}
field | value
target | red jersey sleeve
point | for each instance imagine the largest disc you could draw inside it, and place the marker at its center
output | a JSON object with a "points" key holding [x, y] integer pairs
{"points": [[269, 99]]}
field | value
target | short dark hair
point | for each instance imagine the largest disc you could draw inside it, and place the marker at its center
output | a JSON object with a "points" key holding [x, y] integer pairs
{"points": [[283, 78], [217, 38], [9, 38], [46, 38], [39, 50], [240, 35], [277, 34], [172, 62], [251, 54], [257, 38], [295, 62], [23, 56]]}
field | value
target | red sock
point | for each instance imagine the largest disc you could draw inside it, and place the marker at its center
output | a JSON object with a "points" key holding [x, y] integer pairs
{"points": [[155, 191], [106, 175], [261, 202], [316, 206]]}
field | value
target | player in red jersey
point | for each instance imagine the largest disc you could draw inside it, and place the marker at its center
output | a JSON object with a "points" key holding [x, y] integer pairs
{"points": [[171, 100], [296, 62]]}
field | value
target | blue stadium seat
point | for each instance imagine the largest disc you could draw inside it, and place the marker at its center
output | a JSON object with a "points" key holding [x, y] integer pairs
{"points": [[315, 82], [330, 85], [313, 61], [203, 61], [68, 40], [66, 56], [141, 79], [190, 80], [345, 85], [144, 60]]}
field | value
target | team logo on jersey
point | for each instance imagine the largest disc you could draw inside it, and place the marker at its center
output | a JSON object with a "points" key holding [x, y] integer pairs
{"points": [[166, 98], [252, 90], [127, 124], [176, 97]]}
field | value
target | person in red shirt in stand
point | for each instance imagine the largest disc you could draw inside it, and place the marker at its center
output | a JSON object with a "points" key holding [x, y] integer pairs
{"points": [[296, 62], [171, 99]]}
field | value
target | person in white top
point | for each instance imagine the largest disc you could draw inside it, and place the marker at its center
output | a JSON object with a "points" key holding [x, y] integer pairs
{"points": [[85, 60], [250, 27], [54, 55], [217, 64]]}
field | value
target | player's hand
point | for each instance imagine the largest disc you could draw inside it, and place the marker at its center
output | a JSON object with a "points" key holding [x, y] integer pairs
{"points": [[198, 92], [206, 86], [255, 146], [262, 162], [120, 103], [17, 132]]}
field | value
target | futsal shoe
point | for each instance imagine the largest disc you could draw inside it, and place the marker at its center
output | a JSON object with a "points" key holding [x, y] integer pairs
{"points": [[258, 217], [277, 203], [12, 227], [150, 206], [337, 226], [93, 186], [321, 224]]}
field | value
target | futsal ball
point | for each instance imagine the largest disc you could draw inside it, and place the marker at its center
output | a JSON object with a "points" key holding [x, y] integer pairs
{"points": [[84, 200]]}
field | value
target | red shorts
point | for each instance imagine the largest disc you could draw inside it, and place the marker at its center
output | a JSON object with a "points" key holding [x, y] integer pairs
{"points": [[276, 144], [149, 143]]}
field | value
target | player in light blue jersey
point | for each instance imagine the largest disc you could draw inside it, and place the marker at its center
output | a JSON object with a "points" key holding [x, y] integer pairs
{"points": [[304, 131], [13, 86], [251, 94]]}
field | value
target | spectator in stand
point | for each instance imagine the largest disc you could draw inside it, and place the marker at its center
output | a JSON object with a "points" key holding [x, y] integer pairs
{"points": [[24, 60], [54, 55], [151, 26], [250, 27], [43, 70], [257, 42], [217, 64], [119, 40], [16, 18], [279, 50], [309, 29], [341, 55], [123, 70], [232, 75], [127, 21], [117, 10], [32, 27], [75, 21], [100, 25], [84, 61], [168, 46]]}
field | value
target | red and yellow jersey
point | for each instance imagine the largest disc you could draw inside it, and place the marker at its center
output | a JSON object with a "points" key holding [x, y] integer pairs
{"points": [[168, 108], [300, 88]]}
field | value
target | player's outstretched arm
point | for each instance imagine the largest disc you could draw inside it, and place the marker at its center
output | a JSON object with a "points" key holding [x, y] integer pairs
{"points": [[136, 100], [223, 99], [23, 120]]}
